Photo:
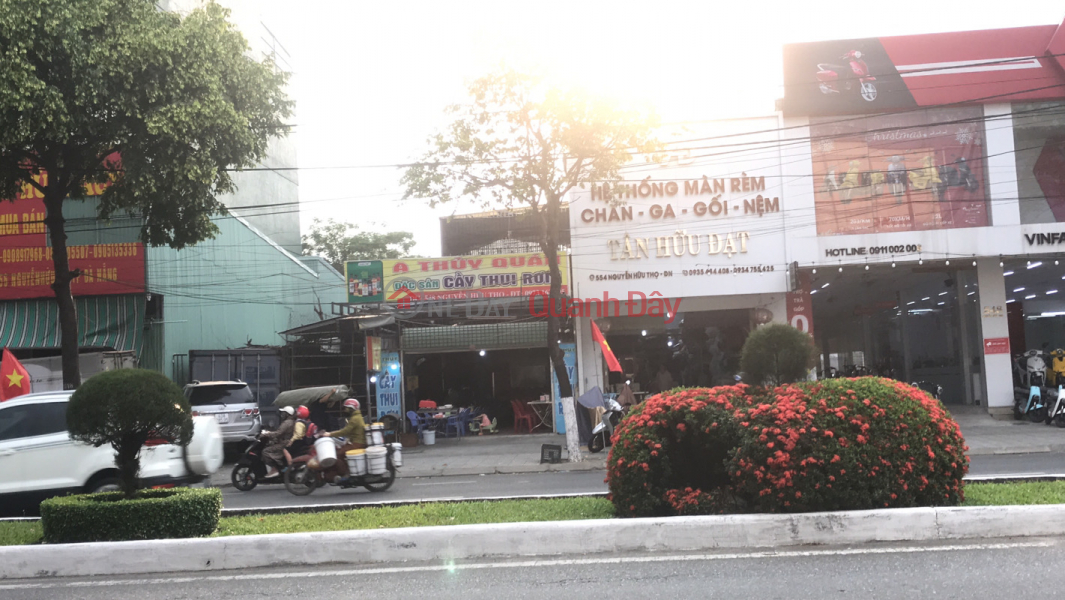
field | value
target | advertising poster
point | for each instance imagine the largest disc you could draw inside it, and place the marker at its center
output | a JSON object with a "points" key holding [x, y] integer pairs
{"points": [[389, 401], [874, 75], [470, 277], [570, 358], [373, 353], [114, 265], [365, 281], [911, 171]]}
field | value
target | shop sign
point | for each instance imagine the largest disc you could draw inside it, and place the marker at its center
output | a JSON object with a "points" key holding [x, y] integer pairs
{"points": [[997, 345], [388, 381], [569, 357], [365, 281], [710, 224], [1044, 239], [373, 353], [871, 75], [800, 306], [26, 269], [407, 281]]}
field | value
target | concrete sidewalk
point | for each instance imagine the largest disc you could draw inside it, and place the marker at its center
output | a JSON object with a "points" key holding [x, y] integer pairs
{"points": [[501, 453], [508, 453], [986, 435]]}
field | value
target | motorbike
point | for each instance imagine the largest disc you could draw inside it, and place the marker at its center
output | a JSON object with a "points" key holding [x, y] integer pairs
{"points": [[1028, 398], [933, 389], [605, 429], [1056, 406], [305, 475], [853, 74], [250, 469]]}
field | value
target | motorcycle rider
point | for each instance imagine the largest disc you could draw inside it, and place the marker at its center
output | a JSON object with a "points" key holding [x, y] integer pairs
{"points": [[274, 452], [355, 431], [303, 434]]}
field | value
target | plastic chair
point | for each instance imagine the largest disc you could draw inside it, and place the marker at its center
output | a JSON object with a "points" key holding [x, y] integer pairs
{"points": [[521, 415], [453, 423], [417, 423]]}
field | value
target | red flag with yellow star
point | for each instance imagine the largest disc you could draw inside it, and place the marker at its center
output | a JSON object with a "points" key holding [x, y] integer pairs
{"points": [[611, 361], [14, 380]]}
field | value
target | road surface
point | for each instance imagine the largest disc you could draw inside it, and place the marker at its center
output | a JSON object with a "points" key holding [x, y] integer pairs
{"points": [[1016, 569], [578, 482]]}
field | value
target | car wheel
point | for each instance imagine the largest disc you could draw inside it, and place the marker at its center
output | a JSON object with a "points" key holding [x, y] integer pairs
{"points": [[107, 484]]}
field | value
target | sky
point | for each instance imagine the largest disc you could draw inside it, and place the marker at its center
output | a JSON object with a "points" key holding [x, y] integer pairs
{"points": [[372, 79]]}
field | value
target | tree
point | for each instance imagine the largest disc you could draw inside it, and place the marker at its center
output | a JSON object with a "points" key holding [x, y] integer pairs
{"points": [[519, 142], [341, 242], [125, 408], [120, 92], [776, 354]]}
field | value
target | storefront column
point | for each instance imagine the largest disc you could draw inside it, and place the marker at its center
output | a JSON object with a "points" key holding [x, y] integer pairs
{"points": [[589, 357], [994, 328]]}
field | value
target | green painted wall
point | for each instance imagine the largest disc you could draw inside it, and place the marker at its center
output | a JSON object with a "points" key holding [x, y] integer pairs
{"points": [[236, 288]]}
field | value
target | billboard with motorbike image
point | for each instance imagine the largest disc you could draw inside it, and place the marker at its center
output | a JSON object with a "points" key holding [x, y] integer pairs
{"points": [[842, 77], [911, 171]]}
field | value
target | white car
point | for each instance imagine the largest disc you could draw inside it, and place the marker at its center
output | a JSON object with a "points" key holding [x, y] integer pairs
{"points": [[38, 459]]}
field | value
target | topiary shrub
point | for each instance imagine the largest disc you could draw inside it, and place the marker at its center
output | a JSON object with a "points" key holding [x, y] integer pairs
{"points": [[672, 443], [110, 517], [840, 444], [775, 354], [125, 408], [847, 444]]}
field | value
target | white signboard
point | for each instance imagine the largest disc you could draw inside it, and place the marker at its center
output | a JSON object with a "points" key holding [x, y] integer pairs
{"points": [[706, 221]]}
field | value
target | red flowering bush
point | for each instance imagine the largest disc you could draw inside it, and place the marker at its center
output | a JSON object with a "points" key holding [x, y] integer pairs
{"points": [[839, 444], [669, 454]]}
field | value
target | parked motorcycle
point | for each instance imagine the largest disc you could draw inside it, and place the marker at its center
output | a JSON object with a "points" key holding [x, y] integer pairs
{"points": [[605, 429], [1028, 398], [305, 475], [933, 389], [1056, 406], [250, 469], [854, 74]]}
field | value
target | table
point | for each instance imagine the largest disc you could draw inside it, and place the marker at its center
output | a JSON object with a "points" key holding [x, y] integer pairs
{"points": [[436, 422], [543, 409]]}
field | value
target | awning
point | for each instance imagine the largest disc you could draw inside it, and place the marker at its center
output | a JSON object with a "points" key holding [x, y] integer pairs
{"points": [[103, 322], [362, 322]]}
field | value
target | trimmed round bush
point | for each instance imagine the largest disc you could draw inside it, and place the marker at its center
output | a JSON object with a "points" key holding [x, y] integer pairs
{"points": [[111, 517], [776, 354], [838, 444], [124, 408]]}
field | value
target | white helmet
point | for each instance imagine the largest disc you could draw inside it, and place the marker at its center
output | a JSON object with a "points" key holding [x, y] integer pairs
{"points": [[288, 410]]}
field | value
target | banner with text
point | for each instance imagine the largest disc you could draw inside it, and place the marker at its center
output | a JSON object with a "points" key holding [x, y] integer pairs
{"points": [[408, 280], [26, 270]]}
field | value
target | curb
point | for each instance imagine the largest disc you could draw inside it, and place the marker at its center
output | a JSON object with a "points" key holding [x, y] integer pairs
{"points": [[558, 538], [564, 467]]}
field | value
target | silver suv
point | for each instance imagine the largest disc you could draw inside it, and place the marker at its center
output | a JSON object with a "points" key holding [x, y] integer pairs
{"points": [[231, 403]]}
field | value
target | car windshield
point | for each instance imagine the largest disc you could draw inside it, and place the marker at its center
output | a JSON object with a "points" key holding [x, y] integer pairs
{"points": [[220, 394]]}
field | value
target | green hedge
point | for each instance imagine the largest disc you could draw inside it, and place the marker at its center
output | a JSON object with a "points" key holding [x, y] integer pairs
{"points": [[110, 517]]}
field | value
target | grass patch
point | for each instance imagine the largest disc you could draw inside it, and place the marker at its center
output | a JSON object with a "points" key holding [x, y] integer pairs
{"points": [[421, 515], [17, 533], [1000, 494], [508, 511]]}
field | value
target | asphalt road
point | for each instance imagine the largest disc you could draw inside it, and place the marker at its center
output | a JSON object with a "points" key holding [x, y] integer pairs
{"points": [[1021, 569], [579, 482], [427, 488]]}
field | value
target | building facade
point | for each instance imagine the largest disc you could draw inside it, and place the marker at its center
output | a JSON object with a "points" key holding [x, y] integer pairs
{"points": [[903, 208]]}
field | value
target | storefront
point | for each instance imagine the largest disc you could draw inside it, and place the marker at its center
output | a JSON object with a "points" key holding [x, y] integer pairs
{"points": [[910, 220], [680, 261], [468, 334]]}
